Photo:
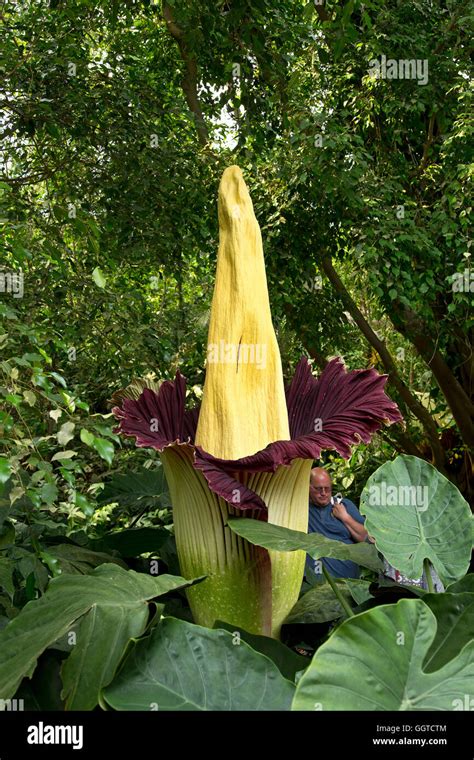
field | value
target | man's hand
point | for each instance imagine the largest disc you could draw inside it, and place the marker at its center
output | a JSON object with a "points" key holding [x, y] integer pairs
{"points": [[356, 529], [340, 511]]}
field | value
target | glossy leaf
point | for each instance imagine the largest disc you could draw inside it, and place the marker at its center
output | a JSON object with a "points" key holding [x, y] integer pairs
{"points": [[183, 666], [317, 546], [374, 661], [455, 619], [414, 513], [108, 600], [145, 487], [288, 662]]}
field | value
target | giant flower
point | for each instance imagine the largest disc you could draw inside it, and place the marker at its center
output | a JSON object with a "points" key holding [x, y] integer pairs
{"points": [[248, 450]]}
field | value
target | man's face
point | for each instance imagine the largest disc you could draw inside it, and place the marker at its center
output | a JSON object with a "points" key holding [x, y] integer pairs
{"points": [[320, 488]]}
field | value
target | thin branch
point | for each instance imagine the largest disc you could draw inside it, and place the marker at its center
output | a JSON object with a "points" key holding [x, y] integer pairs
{"points": [[321, 10], [190, 80], [428, 143], [388, 361]]}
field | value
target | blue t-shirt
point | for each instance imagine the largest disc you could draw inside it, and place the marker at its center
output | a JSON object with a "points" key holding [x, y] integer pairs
{"points": [[322, 521]]}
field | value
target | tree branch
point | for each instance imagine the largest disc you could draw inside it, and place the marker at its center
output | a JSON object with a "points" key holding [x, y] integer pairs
{"points": [[321, 10], [428, 143], [388, 361], [410, 325], [190, 80]]}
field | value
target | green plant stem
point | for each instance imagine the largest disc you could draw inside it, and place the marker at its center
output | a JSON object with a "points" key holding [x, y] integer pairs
{"points": [[429, 579], [332, 583]]}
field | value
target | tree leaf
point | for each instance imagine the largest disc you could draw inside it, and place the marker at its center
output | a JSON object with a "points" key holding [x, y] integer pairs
{"points": [[87, 437], [99, 278], [29, 397], [358, 589], [48, 493], [317, 546], [83, 503], [16, 493], [373, 661], [183, 666], [66, 433], [104, 448], [433, 521], [115, 599], [63, 455], [59, 378], [5, 470]]}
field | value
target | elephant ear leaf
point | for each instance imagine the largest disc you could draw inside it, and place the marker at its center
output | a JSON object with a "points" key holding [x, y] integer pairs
{"points": [[182, 666], [381, 654], [415, 513], [104, 609]]}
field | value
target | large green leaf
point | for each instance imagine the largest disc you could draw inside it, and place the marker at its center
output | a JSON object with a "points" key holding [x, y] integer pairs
{"points": [[433, 522], [147, 488], [317, 546], [373, 661], [114, 603], [43, 691], [183, 666], [464, 584], [455, 619], [319, 605], [132, 542], [77, 559], [289, 663], [6, 576], [358, 588], [388, 585]]}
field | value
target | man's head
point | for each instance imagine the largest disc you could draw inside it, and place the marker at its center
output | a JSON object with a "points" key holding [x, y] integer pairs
{"points": [[320, 487]]}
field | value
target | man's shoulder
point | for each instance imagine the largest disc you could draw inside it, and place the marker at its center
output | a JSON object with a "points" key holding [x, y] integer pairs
{"points": [[353, 510], [350, 506], [348, 503]]}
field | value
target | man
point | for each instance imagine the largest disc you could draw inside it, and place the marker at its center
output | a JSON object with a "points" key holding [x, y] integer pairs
{"points": [[340, 522]]}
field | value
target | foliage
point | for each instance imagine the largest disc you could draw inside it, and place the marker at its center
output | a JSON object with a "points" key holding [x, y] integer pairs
{"points": [[361, 179], [427, 510], [161, 662], [111, 152]]}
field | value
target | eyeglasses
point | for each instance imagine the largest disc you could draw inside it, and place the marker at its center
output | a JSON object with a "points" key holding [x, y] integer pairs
{"points": [[320, 489]]}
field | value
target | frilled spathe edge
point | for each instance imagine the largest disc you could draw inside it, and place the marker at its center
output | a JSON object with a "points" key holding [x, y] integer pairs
{"points": [[334, 411]]}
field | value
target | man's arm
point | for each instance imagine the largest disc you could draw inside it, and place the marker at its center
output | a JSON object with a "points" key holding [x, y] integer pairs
{"points": [[356, 529]]}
